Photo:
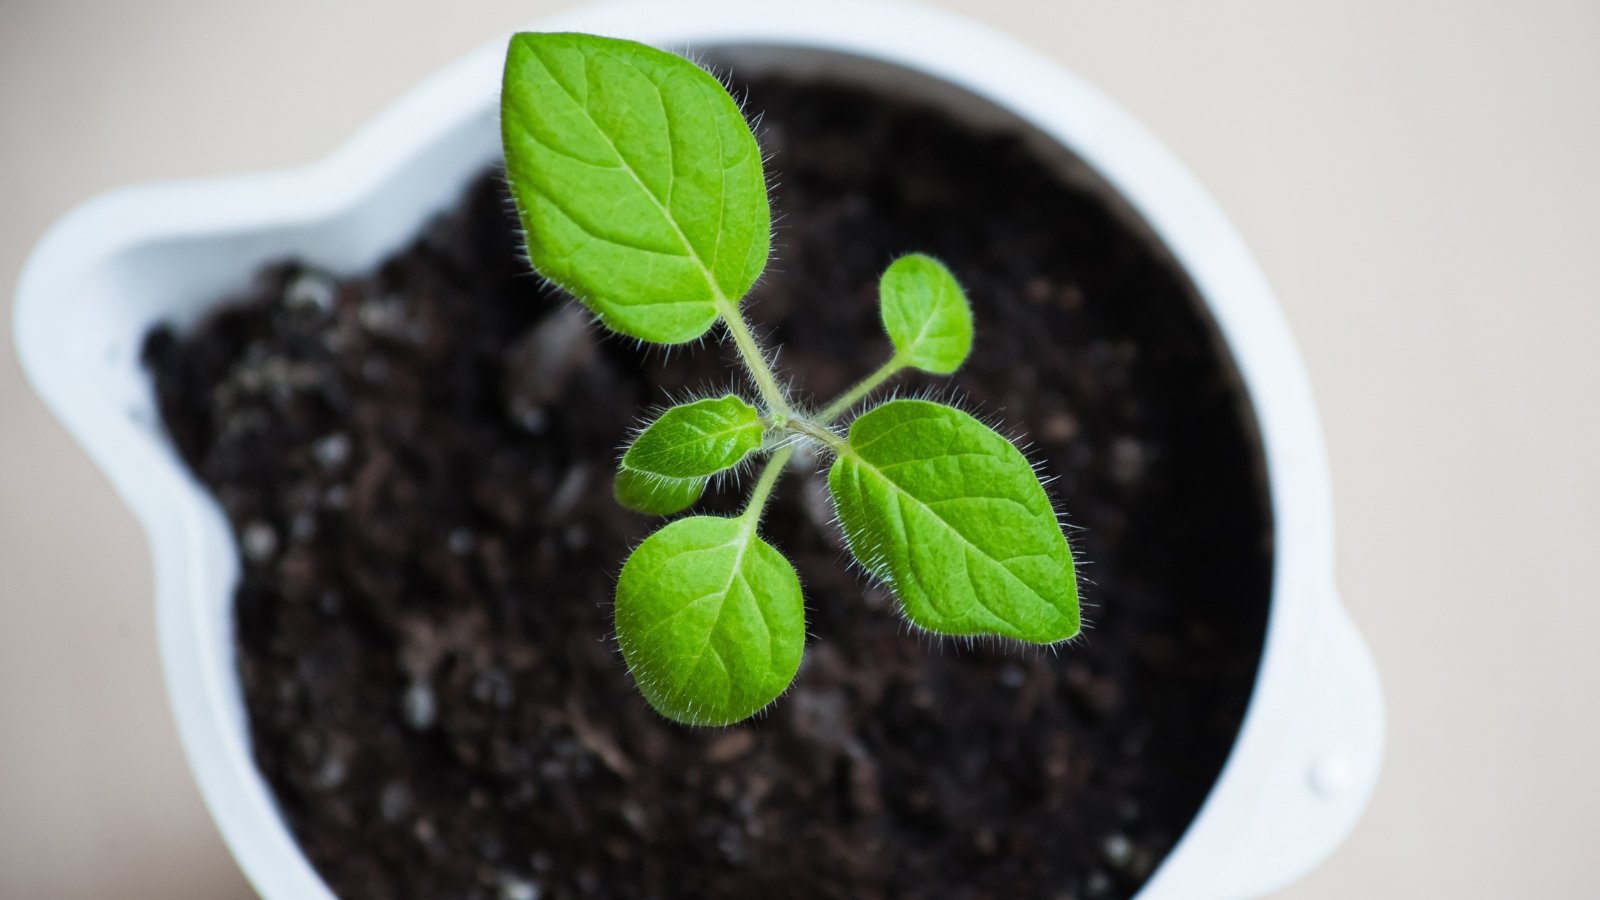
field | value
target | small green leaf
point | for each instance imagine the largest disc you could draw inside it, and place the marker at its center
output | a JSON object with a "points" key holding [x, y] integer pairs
{"points": [[696, 440], [638, 182], [952, 517], [710, 620], [926, 314], [656, 496]]}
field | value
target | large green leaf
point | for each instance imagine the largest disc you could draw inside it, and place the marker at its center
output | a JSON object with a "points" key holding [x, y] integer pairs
{"points": [[695, 440], [952, 517], [656, 496], [926, 314], [638, 182], [710, 620]]}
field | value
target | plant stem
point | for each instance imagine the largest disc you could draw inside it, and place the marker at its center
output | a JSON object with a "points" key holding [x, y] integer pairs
{"points": [[763, 489], [754, 360], [863, 387], [819, 432]]}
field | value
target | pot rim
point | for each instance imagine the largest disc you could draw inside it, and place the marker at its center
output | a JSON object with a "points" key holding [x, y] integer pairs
{"points": [[1308, 751]]}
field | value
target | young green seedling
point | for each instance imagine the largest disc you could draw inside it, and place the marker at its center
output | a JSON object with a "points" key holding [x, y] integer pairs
{"points": [[641, 191]]}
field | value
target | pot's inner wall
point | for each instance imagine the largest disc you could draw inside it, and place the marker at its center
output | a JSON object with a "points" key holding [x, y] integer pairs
{"points": [[416, 463]]}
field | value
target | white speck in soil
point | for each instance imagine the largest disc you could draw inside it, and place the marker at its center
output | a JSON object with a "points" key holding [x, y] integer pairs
{"points": [[731, 844], [819, 715], [331, 773], [424, 831], [534, 420], [460, 542], [337, 497], [331, 450], [1127, 460], [259, 541], [1059, 428], [576, 537], [419, 706], [384, 316], [730, 746], [634, 815], [1098, 884], [515, 887], [568, 493], [394, 802], [1056, 766], [1118, 850], [493, 688], [311, 290], [303, 527], [1012, 676]]}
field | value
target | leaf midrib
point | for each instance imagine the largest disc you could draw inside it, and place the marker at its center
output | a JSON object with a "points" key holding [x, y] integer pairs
{"points": [[705, 436], [690, 253], [744, 537]]}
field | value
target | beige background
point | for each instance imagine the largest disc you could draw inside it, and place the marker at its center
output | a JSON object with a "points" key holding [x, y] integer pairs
{"points": [[1417, 179]]}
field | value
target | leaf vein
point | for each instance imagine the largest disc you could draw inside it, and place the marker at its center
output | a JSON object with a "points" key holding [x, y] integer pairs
{"points": [[666, 214]]}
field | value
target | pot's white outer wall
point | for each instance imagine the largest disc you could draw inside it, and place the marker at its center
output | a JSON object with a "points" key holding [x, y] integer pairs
{"points": [[1308, 753]]}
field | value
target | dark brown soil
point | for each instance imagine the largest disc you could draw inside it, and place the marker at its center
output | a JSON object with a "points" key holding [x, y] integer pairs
{"points": [[417, 465]]}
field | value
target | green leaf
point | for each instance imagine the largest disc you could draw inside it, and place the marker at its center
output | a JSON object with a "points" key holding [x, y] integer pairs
{"points": [[695, 440], [952, 517], [926, 314], [656, 496], [710, 620], [638, 182]]}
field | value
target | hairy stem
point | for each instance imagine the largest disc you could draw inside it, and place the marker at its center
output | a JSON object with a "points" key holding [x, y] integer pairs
{"points": [[755, 361], [862, 388], [763, 489], [819, 432]]}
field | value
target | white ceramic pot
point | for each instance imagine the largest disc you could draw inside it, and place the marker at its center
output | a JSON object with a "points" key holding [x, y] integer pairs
{"points": [[1308, 752]]}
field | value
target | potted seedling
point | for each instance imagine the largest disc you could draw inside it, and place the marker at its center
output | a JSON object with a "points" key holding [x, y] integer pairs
{"points": [[642, 193], [413, 573]]}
